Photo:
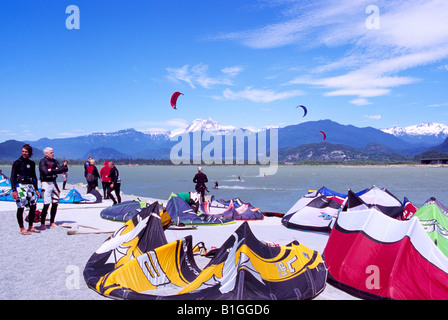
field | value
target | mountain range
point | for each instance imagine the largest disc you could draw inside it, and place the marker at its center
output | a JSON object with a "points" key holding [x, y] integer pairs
{"points": [[295, 142], [423, 134]]}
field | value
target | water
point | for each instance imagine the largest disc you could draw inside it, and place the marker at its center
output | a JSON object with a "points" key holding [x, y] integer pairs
{"points": [[280, 191]]}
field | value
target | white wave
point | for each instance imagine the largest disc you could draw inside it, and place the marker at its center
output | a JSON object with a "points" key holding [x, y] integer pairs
{"points": [[253, 188]]}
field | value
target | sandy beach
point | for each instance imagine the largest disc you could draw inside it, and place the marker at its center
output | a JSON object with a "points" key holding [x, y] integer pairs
{"points": [[50, 265]]}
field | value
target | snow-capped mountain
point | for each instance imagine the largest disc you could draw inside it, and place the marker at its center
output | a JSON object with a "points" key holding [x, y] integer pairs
{"points": [[196, 125], [428, 133], [208, 125]]}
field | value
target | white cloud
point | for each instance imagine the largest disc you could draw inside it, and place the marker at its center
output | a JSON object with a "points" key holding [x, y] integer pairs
{"points": [[374, 117], [412, 34], [177, 123], [362, 83], [259, 95], [360, 102], [303, 20], [7, 133], [73, 133], [197, 75], [438, 105], [181, 74], [232, 71]]}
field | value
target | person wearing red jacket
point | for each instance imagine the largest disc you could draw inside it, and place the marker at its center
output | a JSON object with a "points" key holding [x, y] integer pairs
{"points": [[92, 176], [105, 179]]}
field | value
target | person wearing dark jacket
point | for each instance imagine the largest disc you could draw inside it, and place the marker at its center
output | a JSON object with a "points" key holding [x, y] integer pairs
{"points": [[200, 179], [92, 176], [49, 168], [64, 175], [115, 183], [24, 188]]}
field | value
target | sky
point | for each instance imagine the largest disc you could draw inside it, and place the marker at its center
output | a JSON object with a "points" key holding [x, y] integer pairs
{"points": [[71, 68]]}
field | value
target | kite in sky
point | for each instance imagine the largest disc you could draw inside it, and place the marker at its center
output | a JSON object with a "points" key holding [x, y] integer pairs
{"points": [[174, 99], [325, 136], [305, 111]]}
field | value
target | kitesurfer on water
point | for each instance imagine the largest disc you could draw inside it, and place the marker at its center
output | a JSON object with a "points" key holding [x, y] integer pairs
{"points": [[200, 179], [24, 186]]}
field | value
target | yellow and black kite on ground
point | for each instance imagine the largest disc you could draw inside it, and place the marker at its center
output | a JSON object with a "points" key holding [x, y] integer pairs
{"points": [[138, 263]]}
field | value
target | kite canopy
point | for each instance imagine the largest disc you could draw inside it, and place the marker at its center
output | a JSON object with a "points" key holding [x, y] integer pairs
{"points": [[409, 209], [243, 211], [316, 210], [380, 199], [138, 235], [305, 111], [325, 136], [373, 256], [246, 268], [317, 215], [73, 196], [123, 211], [126, 210], [312, 194], [183, 214], [434, 219], [137, 260], [5, 182], [174, 98]]}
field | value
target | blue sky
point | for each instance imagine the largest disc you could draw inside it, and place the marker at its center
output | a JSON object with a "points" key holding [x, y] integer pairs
{"points": [[243, 63]]}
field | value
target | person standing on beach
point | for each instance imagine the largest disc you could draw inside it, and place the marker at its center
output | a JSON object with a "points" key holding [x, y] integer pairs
{"points": [[64, 175], [200, 179], [49, 168], [115, 183], [105, 179], [92, 176], [24, 188], [86, 164]]}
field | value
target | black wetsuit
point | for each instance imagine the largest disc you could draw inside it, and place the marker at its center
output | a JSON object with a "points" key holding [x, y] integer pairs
{"points": [[55, 167], [50, 176], [23, 171], [200, 179], [116, 182]]}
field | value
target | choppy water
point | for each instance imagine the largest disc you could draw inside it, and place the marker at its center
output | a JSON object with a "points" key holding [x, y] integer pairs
{"points": [[280, 191]]}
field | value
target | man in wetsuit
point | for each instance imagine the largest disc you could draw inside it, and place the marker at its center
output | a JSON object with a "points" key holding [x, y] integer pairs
{"points": [[49, 169], [200, 179], [24, 188], [115, 183]]}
